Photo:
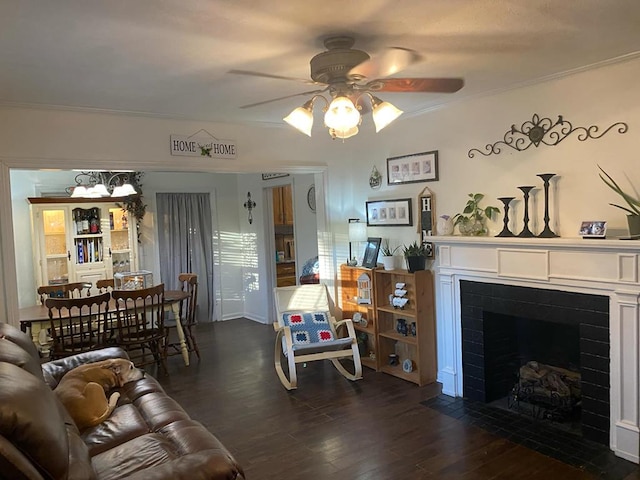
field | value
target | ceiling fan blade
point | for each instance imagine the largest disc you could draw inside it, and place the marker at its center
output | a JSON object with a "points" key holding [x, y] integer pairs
{"points": [[388, 63], [268, 75], [312, 92], [435, 85]]}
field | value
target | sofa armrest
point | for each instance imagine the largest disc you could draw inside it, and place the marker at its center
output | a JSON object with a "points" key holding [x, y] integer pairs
{"points": [[54, 370]]}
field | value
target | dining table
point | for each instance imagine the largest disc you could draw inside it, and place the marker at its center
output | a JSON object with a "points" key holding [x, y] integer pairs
{"points": [[35, 319]]}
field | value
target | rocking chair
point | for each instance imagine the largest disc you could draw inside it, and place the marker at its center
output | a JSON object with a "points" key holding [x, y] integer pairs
{"points": [[306, 331]]}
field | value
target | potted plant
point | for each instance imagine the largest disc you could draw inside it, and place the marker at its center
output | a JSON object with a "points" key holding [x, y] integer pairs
{"points": [[633, 203], [473, 219], [388, 260], [416, 256]]}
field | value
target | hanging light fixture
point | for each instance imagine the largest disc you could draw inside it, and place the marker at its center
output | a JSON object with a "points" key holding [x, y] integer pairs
{"points": [[342, 116], [102, 184]]}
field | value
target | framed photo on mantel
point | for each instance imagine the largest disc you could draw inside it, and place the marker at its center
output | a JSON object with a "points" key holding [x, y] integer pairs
{"points": [[414, 168]]}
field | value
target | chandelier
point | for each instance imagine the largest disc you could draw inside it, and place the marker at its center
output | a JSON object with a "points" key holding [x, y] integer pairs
{"points": [[100, 184], [342, 116]]}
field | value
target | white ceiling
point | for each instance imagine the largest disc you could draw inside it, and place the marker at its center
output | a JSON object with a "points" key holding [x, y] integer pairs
{"points": [[171, 57]]}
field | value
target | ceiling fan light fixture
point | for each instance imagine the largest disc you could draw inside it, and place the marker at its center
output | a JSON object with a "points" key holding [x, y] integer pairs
{"points": [[383, 113], [341, 115], [301, 118], [343, 134]]}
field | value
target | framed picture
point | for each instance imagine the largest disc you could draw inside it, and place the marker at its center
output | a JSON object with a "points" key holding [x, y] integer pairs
{"points": [[593, 229], [417, 167], [389, 213], [370, 258], [269, 176]]}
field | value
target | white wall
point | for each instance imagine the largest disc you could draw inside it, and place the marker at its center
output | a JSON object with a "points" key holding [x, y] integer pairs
{"points": [[70, 139]]}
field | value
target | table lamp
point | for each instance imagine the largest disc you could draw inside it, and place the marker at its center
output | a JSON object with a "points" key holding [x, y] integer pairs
{"points": [[357, 233]]}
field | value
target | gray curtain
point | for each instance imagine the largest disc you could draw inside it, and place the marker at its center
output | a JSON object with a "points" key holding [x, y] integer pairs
{"points": [[185, 244]]}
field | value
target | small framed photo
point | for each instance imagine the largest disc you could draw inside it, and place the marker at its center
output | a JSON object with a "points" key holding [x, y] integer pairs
{"points": [[593, 229], [370, 258], [417, 167], [389, 213]]}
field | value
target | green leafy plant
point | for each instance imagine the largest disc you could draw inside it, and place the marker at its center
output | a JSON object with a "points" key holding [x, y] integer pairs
{"points": [[387, 251], [415, 249], [632, 202], [134, 204], [473, 219]]}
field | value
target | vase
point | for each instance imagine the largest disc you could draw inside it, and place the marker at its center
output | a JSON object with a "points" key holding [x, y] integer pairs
{"points": [[472, 229], [416, 263], [633, 221], [444, 225], [388, 262]]}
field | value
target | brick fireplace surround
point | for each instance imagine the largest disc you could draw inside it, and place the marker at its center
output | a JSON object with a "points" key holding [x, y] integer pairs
{"points": [[605, 268]]}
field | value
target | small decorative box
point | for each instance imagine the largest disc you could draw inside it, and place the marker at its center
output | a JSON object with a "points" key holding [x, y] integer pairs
{"points": [[133, 280]]}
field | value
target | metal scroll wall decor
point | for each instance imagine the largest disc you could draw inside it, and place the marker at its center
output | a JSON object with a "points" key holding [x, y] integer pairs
{"points": [[526, 232], [543, 130]]}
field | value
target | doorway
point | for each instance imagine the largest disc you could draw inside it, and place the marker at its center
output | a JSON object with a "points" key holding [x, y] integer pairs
{"points": [[284, 235]]}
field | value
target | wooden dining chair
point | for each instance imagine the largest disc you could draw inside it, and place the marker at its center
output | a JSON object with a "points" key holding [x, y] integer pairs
{"points": [[77, 324], [188, 308], [64, 290], [105, 285], [140, 325]]}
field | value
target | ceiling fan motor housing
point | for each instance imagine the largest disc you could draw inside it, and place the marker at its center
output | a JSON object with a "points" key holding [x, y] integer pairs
{"points": [[334, 64]]}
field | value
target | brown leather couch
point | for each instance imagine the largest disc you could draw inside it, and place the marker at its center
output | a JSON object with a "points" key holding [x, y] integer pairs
{"points": [[148, 436]]}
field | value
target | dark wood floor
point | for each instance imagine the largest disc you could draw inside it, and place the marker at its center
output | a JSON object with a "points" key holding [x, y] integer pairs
{"points": [[330, 428]]}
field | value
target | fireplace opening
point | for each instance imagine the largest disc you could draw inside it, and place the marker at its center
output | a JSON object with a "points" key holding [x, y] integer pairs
{"points": [[544, 352], [533, 367]]}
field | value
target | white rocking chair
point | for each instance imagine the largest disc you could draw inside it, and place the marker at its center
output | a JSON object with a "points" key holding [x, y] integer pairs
{"points": [[307, 331]]}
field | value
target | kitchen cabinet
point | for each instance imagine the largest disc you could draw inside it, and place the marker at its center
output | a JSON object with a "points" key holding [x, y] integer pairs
{"points": [[282, 205], [81, 240]]}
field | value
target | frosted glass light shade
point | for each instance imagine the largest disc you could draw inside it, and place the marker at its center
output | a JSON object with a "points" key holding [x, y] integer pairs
{"points": [[342, 134], [301, 119], [79, 191], [123, 190], [100, 190], [342, 115], [384, 113]]}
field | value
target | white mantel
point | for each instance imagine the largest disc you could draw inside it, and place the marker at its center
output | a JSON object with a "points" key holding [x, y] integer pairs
{"points": [[592, 266]]}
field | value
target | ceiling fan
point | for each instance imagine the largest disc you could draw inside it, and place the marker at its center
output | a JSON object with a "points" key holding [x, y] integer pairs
{"points": [[349, 75]]}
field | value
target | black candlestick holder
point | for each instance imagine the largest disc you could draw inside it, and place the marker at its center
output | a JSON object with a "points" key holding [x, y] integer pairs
{"points": [[526, 233], [505, 230], [546, 232]]}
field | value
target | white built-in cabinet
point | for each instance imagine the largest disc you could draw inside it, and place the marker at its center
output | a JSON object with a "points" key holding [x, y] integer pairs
{"points": [[81, 241]]}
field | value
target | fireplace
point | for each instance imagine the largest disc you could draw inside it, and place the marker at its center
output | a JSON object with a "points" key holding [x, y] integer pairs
{"points": [[600, 277], [504, 327]]}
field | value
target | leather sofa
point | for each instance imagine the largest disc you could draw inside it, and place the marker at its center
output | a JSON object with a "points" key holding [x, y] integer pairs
{"points": [[148, 436]]}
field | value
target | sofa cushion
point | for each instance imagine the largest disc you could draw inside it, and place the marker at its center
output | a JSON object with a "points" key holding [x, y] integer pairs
{"points": [[32, 418], [17, 348], [124, 424]]}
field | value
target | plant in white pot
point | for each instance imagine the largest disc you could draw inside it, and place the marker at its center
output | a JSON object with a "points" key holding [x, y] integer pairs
{"points": [[633, 203], [388, 260], [416, 256]]}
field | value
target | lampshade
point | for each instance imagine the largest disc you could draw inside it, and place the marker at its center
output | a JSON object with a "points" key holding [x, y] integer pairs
{"points": [[342, 115], [301, 118], [342, 134], [101, 190], [79, 191], [123, 190], [383, 113], [357, 231]]}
